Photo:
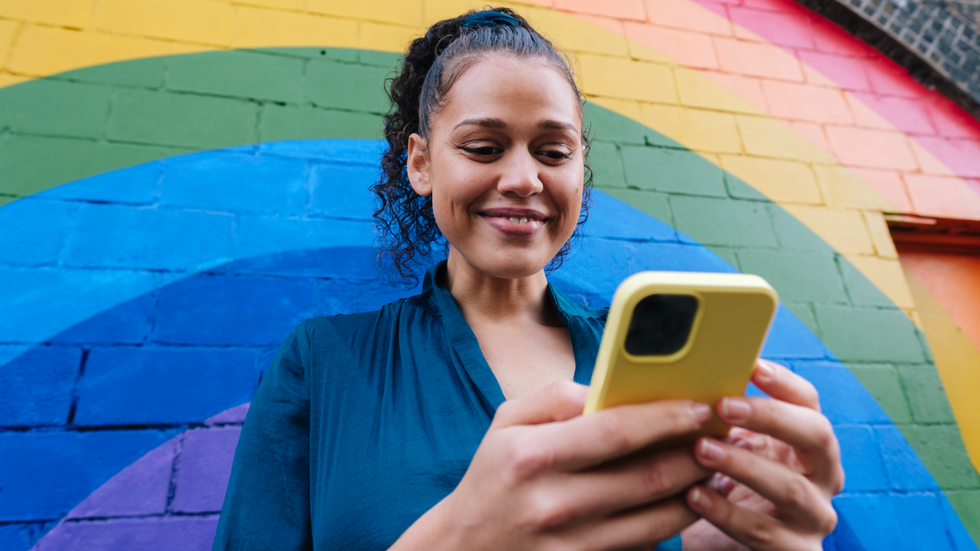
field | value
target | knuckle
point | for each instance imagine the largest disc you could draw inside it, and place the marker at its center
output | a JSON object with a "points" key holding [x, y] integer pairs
{"points": [[797, 492], [828, 520], [653, 480], [563, 544], [679, 420], [525, 460], [613, 430], [763, 409], [547, 512], [760, 534], [824, 435]]}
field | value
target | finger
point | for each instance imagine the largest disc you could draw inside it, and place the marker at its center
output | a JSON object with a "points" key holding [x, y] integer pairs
{"points": [[756, 530], [794, 495], [782, 384], [720, 484], [643, 527], [612, 433], [558, 401], [628, 484], [806, 430]]}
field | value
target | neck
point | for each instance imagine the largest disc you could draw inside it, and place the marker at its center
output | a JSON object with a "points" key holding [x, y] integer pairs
{"points": [[485, 299]]}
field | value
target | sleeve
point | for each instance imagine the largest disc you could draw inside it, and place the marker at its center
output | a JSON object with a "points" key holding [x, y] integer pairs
{"points": [[267, 505], [673, 544]]}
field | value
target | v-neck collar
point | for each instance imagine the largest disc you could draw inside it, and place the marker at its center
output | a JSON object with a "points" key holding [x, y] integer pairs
{"points": [[585, 340]]}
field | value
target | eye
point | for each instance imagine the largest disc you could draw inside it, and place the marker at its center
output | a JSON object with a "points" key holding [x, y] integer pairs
{"points": [[553, 156], [556, 155], [484, 151]]}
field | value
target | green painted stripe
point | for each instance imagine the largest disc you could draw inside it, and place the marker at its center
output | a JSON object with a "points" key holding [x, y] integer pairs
{"points": [[99, 119], [105, 118]]}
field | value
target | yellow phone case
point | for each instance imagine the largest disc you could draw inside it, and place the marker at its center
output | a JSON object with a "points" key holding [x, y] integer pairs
{"points": [[734, 312]]}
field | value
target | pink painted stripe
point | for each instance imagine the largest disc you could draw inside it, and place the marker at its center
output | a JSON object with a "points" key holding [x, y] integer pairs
{"points": [[928, 117]]}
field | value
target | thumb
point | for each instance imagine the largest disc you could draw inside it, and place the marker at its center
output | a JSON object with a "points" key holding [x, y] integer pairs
{"points": [[558, 401]]}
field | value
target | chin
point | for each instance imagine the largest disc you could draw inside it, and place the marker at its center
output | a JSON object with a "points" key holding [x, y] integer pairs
{"points": [[510, 266]]}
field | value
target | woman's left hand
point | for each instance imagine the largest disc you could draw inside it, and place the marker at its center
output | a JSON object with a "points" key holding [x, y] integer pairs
{"points": [[776, 471]]}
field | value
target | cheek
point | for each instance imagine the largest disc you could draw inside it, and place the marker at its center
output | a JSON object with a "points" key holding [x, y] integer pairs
{"points": [[453, 191], [568, 197]]}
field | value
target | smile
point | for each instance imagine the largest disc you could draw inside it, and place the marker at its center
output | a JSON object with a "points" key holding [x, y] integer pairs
{"points": [[515, 222]]}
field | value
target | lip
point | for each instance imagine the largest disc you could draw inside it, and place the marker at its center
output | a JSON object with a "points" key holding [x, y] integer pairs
{"points": [[499, 219]]}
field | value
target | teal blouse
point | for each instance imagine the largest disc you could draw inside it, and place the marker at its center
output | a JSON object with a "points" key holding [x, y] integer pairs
{"points": [[363, 422]]}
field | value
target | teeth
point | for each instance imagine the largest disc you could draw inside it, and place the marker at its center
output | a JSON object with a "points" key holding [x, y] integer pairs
{"points": [[518, 220]]}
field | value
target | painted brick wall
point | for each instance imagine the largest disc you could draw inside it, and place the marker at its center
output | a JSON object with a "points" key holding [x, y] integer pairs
{"points": [[145, 287]]}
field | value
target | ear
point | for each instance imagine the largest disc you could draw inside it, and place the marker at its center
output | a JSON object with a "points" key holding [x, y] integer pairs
{"points": [[418, 165]]}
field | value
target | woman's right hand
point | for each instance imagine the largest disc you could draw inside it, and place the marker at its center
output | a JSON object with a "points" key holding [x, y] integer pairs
{"points": [[546, 477]]}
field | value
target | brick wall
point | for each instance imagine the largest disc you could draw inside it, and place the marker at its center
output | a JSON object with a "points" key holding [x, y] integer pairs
{"points": [[162, 236]]}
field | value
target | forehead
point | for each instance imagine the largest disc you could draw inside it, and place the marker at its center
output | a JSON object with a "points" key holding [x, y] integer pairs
{"points": [[509, 87]]}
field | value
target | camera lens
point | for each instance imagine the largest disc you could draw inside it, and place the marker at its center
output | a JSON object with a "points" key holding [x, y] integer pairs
{"points": [[661, 324]]}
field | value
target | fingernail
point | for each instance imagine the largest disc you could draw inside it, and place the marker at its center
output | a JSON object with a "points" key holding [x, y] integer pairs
{"points": [[765, 370], [735, 409], [702, 412], [725, 485], [711, 451], [698, 498]]}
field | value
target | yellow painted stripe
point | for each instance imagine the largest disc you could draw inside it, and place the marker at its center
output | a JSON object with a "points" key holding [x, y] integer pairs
{"points": [[958, 363]]}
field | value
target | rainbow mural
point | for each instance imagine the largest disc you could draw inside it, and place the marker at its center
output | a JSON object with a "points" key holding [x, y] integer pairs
{"points": [[183, 181]]}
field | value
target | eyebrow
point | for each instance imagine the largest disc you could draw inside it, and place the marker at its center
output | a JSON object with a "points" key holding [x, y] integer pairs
{"points": [[497, 123]]}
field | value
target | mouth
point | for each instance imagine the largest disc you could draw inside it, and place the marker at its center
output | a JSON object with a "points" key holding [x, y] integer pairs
{"points": [[515, 221]]}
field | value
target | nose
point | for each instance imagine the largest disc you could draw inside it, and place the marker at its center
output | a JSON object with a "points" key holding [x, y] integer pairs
{"points": [[520, 175]]}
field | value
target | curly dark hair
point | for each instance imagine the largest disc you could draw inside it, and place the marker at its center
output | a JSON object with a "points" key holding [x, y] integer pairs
{"points": [[405, 220]]}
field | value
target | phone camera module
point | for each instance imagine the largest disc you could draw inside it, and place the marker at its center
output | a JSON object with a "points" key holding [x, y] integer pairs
{"points": [[661, 325]]}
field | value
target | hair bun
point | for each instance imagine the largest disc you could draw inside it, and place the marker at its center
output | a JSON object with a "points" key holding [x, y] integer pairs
{"points": [[489, 19]]}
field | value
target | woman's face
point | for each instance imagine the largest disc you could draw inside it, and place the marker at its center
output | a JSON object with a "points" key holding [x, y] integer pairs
{"points": [[504, 165]]}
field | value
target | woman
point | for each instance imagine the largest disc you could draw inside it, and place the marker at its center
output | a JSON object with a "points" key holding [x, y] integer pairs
{"points": [[391, 429]]}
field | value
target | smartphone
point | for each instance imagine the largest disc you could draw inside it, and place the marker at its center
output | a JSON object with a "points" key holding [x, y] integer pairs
{"points": [[682, 335]]}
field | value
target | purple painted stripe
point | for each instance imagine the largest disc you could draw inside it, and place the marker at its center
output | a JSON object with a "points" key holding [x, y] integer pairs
{"points": [[150, 500]]}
